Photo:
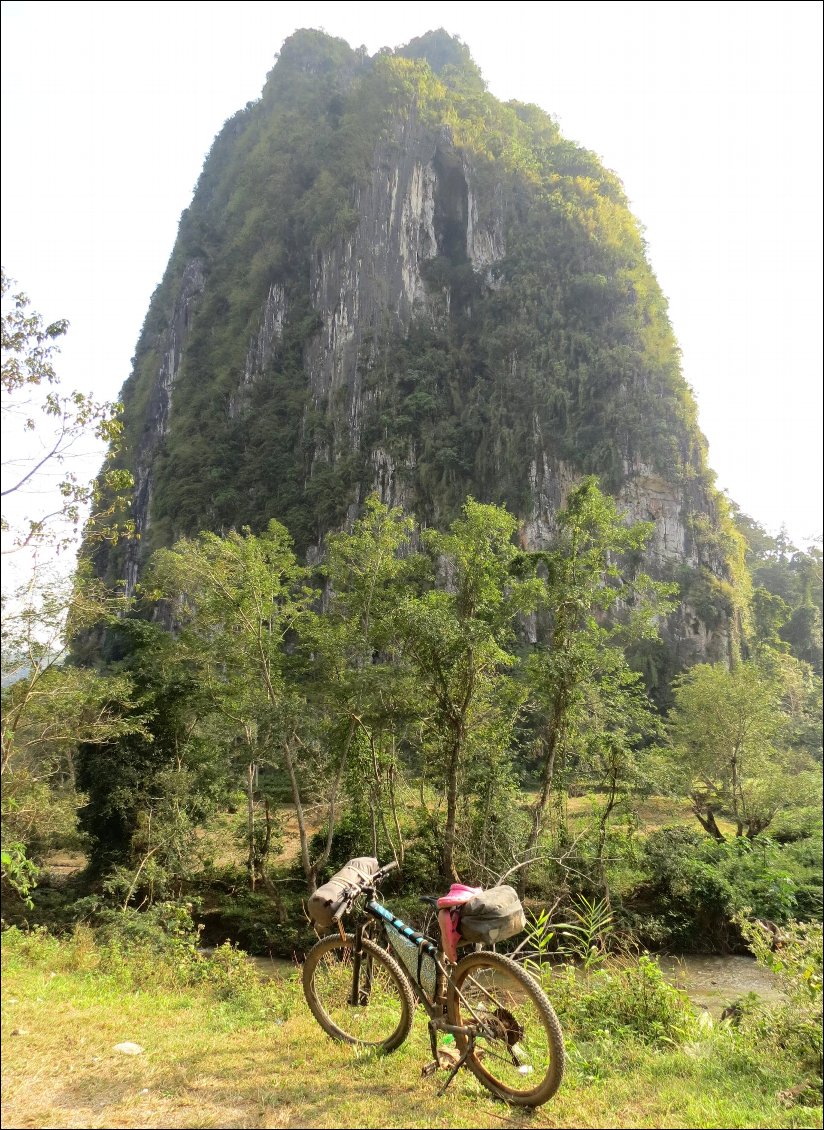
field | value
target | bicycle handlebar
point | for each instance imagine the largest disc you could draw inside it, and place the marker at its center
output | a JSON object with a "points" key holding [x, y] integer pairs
{"points": [[382, 872]]}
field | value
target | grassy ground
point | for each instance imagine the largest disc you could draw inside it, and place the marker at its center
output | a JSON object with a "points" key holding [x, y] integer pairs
{"points": [[243, 1054]]}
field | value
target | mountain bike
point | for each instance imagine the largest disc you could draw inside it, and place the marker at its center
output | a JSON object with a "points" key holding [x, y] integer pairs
{"points": [[505, 1030]]}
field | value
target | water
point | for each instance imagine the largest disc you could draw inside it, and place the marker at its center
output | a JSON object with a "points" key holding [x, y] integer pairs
{"points": [[267, 967], [712, 982], [274, 966]]}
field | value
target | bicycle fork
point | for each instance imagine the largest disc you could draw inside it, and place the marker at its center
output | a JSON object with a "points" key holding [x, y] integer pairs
{"points": [[359, 995]]}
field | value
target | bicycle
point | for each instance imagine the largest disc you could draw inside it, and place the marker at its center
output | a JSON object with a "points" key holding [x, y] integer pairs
{"points": [[505, 1030]]}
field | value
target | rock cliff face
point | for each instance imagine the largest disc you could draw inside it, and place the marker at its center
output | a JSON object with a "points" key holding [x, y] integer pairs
{"points": [[388, 281], [156, 421]]}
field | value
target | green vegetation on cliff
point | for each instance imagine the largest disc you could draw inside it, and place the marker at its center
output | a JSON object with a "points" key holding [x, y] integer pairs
{"points": [[543, 342]]}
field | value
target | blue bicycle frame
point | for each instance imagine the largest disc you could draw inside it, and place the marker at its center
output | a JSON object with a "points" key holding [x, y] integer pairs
{"points": [[432, 994]]}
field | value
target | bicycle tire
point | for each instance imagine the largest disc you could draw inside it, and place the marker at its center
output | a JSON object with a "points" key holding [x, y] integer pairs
{"points": [[519, 1049], [384, 1019]]}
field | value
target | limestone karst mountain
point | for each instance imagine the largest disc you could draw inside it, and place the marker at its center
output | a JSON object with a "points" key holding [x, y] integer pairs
{"points": [[389, 280]]}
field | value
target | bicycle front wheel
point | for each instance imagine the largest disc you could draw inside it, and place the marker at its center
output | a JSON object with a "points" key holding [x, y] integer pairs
{"points": [[382, 1016], [519, 1049]]}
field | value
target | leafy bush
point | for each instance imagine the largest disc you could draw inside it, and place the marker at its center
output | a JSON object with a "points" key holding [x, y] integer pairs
{"points": [[695, 886], [794, 1026], [258, 923], [156, 952], [145, 946], [626, 998]]}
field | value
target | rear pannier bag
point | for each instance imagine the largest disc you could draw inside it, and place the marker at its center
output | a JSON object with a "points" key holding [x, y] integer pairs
{"points": [[328, 902], [492, 916]]}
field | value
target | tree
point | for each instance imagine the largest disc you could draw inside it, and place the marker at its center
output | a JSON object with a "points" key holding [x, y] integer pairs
{"points": [[43, 429], [148, 787], [51, 708], [788, 597], [240, 601], [733, 743], [617, 721], [458, 639], [596, 603], [359, 680]]}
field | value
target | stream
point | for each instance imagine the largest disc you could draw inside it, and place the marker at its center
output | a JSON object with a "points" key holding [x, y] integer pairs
{"points": [[711, 981]]}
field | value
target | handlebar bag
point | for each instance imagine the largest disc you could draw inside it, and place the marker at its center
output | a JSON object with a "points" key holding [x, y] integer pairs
{"points": [[328, 902], [492, 916]]}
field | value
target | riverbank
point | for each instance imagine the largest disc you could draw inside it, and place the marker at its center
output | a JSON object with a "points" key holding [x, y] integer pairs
{"points": [[711, 981], [230, 1049]]}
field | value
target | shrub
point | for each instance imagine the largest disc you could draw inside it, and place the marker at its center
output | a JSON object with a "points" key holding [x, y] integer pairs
{"points": [[145, 955], [259, 923], [695, 886], [793, 1026], [625, 998]]}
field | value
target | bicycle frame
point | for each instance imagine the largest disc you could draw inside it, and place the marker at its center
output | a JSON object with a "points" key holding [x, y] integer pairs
{"points": [[434, 1006], [426, 946]]}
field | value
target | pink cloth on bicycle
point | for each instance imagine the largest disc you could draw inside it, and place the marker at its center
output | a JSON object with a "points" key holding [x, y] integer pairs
{"points": [[449, 917]]}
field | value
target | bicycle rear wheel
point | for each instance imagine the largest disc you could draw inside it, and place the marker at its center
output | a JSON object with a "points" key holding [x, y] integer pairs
{"points": [[383, 1015], [519, 1049]]}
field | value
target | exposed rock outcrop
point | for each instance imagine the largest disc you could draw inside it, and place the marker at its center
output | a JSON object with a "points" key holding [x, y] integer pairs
{"points": [[278, 375]]}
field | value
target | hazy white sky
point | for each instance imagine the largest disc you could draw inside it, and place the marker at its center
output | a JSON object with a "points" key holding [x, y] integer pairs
{"points": [[710, 113]]}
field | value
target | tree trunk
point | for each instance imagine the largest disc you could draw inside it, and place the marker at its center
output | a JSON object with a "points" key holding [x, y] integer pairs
{"points": [[550, 740], [309, 869], [333, 799], [399, 854], [602, 834], [707, 822], [250, 823], [450, 874]]}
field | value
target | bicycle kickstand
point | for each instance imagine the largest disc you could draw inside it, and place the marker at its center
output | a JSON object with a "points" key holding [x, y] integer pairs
{"points": [[465, 1054]]}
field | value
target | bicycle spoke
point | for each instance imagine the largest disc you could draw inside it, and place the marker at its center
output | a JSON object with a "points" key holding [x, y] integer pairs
{"points": [[383, 1013]]}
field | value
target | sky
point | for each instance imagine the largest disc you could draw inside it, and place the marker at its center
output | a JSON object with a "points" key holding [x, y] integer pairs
{"points": [[710, 113]]}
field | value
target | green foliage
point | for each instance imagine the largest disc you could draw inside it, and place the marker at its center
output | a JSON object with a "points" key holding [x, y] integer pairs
{"points": [[147, 789], [18, 871], [241, 599], [455, 639], [591, 710], [794, 1026], [155, 950], [626, 998], [51, 709], [788, 595], [694, 887], [444, 53], [734, 742], [257, 922], [587, 936]]}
